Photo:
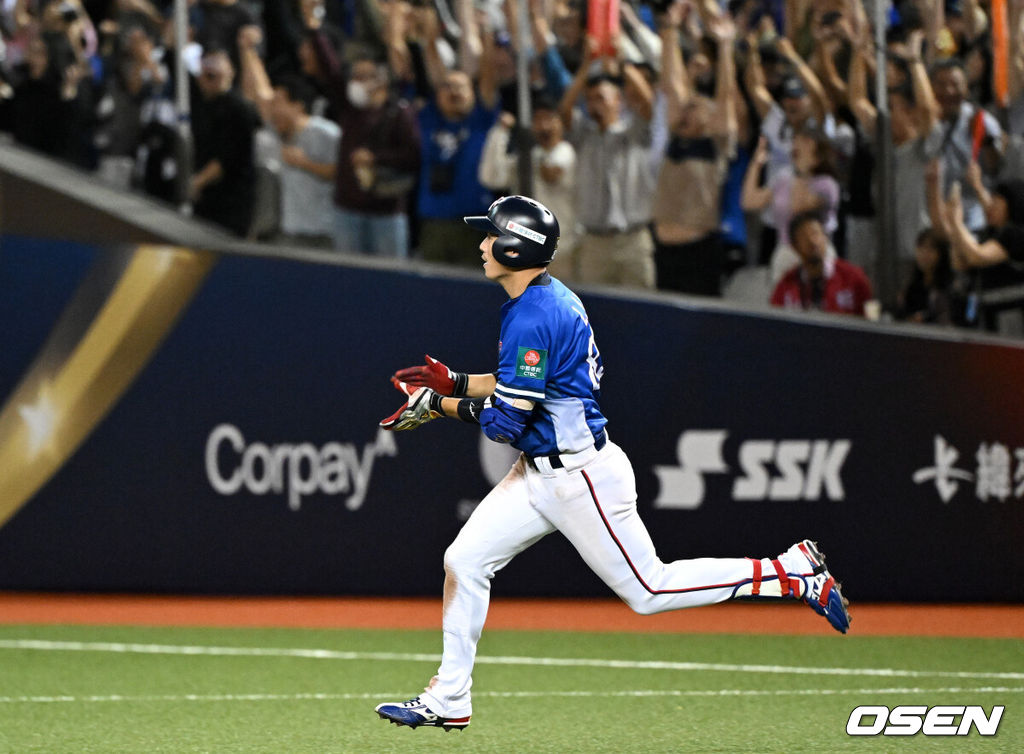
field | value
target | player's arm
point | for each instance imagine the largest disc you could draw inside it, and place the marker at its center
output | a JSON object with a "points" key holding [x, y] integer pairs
{"points": [[434, 390], [481, 385], [445, 381], [426, 404], [479, 388]]}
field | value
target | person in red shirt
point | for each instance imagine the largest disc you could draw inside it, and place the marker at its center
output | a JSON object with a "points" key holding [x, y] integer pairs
{"points": [[821, 281]]}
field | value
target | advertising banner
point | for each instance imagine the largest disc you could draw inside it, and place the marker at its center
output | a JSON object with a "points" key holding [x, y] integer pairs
{"points": [[244, 456]]}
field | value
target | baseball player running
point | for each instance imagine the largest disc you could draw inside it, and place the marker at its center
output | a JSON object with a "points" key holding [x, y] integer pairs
{"points": [[543, 400]]}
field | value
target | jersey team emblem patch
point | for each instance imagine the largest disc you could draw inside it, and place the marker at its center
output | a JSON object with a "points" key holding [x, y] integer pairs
{"points": [[532, 362]]}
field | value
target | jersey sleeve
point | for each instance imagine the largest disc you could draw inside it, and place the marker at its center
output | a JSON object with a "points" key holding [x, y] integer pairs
{"points": [[523, 363]]}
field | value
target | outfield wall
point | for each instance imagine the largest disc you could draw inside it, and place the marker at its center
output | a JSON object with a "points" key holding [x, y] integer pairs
{"points": [[241, 453]]}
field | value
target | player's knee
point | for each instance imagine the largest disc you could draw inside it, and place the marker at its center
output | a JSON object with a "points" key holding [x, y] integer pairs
{"points": [[459, 561], [643, 604]]}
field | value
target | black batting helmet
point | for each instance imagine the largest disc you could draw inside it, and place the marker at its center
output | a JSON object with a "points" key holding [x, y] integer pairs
{"points": [[527, 231]]}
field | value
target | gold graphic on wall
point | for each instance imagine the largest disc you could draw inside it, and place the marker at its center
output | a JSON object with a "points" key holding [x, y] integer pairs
{"points": [[55, 409]]}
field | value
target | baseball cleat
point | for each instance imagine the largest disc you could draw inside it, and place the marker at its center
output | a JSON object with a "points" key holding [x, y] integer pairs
{"points": [[415, 713], [821, 590]]}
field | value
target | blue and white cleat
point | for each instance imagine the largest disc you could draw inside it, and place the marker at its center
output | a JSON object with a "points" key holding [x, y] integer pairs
{"points": [[821, 591], [415, 713]]}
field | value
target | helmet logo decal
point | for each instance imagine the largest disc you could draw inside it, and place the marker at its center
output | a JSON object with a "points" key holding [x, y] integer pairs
{"points": [[524, 232]]}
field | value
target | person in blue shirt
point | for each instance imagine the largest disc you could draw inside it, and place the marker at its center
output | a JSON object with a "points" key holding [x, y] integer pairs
{"points": [[453, 127], [543, 400]]}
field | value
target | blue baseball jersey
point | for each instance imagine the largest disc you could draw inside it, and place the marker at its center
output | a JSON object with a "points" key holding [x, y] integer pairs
{"points": [[547, 357]]}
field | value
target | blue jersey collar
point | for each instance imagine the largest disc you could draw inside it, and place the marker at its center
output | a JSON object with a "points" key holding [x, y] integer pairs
{"points": [[541, 280]]}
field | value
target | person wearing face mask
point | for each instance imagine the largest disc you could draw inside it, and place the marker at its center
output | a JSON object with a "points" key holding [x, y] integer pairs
{"points": [[378, 154], [378, 157]]}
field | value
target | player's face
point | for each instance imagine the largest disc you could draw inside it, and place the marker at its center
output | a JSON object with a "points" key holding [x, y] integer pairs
{"points": [[493, 269]]}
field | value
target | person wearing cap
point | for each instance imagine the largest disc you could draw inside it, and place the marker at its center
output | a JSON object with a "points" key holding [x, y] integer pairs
{"points": [[801, 101]]}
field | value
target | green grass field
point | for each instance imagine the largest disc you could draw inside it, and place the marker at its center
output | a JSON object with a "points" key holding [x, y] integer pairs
{"points": [[120, 689]]}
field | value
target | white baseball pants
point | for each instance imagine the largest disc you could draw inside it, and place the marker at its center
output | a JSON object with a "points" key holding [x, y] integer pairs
{"points": [[592, 501]]}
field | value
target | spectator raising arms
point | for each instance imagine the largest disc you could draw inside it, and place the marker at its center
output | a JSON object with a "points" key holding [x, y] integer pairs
{"points": [[960, 121], [809, 185], [306, 145], [996, 252], [221, 21], [803, 105], [453, 127], [615, 184], [915, 134], [553, 161], [688, 251], [46, 103]]}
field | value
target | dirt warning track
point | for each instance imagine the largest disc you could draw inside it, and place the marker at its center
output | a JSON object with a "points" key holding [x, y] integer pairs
{"points": [[985, 621]]}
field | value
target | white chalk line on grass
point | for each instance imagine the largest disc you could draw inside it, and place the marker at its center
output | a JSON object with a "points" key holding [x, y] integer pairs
{"points": [[638, 693], [331, 654]]}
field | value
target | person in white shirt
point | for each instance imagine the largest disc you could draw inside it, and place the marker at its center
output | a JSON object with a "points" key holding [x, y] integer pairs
{"points": [[309, 146], [302, 147], [553, 162]]}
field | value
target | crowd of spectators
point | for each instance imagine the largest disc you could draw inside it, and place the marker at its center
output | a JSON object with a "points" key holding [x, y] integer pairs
{"points": [[705, 137]]}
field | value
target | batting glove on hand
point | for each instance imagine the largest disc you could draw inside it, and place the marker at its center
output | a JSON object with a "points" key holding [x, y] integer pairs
{"points": [[436, 376], [423, 405]]}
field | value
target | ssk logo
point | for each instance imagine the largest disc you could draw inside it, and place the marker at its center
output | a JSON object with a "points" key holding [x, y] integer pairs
{"points": [[909, 720], [770, 469]]}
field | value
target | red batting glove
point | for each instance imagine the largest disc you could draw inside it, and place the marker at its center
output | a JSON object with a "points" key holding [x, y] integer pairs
{"points": [[422, 406], [403, 387], [435, 375]]}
